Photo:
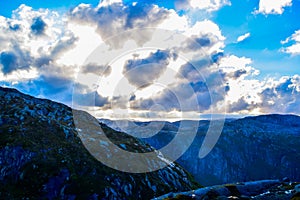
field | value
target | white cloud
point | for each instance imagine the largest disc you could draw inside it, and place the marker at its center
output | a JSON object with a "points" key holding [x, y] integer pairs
{"points": [[49, 61], [88, 40], [174, 22], [240, 77], [114, 19], [209, 5], [294, 48], [243, 37], [281, 96], [31, 43], [109, 2], [273, 6], [207, 27]]}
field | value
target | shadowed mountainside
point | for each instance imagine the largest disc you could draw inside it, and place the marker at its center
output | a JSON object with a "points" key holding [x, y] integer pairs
{"points": [[251, 148], [42, 157]]}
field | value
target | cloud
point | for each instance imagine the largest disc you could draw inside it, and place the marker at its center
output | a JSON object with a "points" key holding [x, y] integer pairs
{"points": [[9, 62], [235, 67], [16, 59], [239, 73], [100, 70], [199, 42], [17, 42], [205, 81], [209, 5], [282, 96], [294, 48], [273, 7], [143, 72], [195, 90], [115, 18], [243, 37], [183, 97], [90, 99], [30, 63], [248, 95], [14, 27], [206, 30], [242, 106], [50, 86]]}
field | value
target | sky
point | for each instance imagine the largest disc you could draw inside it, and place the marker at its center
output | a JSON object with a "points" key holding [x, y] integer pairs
{"points": [[155, 59]]}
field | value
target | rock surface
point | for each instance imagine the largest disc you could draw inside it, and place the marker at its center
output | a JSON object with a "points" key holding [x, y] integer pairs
{"points": [[43, 157], [258, 190]]}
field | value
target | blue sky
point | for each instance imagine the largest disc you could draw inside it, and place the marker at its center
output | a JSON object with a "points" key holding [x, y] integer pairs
{"points": [[266, 33], [47, 43], [6, 7]]}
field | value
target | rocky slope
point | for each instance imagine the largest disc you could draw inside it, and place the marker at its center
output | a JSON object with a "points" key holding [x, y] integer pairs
{"points": [[257, 190], [43, 157], [252, 148]]}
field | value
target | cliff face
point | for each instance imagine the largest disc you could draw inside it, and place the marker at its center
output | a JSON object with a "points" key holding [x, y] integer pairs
{"points": [[252, 148], [42, 156]]}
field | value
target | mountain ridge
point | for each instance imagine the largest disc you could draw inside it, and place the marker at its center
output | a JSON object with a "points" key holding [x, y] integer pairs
{"points": [[268, 143], [42, 156]]}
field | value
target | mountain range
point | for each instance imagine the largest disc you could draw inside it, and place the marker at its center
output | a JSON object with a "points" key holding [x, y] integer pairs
{"points": [[44, 155], [250, 148]]}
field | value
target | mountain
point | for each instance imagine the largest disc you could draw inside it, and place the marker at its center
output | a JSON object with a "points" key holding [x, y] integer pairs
{"points": [[42, 156], [251, 148]]}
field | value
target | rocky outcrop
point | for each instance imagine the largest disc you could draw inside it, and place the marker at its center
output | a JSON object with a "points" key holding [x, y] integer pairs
{"points": [[259, 190], [42, 157]]}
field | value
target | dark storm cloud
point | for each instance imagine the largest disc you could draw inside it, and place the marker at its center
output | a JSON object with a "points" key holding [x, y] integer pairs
{"points": [[142, 72], [38, 26], [116, 18]]}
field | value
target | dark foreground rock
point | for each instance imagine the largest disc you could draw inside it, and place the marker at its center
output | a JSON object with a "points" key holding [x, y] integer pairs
{"points": [[43, 157], [259, 190]]}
